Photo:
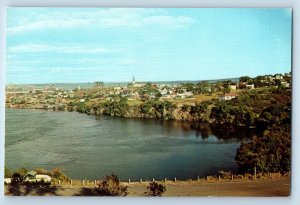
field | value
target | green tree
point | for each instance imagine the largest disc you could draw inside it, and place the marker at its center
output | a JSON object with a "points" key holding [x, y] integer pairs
{"points": [[146, 107], [245, 79], [269, 152], [226, 90], [59, 175]]}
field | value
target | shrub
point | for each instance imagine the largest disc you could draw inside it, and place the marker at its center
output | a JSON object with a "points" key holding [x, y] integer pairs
{"points": [[268, 152], [155, 189], [111, 186], [22, 171], [59, 175]]}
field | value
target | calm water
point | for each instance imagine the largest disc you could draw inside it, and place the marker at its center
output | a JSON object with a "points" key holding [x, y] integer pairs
{"points": [[87, 146]]}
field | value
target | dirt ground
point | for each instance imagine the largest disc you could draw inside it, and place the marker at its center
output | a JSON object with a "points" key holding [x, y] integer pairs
{"points": [[266, 187], [263, 187]]}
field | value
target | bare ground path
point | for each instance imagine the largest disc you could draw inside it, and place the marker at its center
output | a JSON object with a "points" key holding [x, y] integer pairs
{"points": [[265, 187]]}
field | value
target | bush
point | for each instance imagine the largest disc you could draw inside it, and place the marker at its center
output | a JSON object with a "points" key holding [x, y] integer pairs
{"points": [[59, 175], [268, 152], [155, 189], [22, 171], [111, 186]]}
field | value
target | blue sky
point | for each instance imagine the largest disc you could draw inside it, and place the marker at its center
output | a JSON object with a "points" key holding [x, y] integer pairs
{"points": [[55, 45]]}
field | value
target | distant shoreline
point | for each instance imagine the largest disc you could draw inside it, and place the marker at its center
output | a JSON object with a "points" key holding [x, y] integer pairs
{"points": [[235, 79]]}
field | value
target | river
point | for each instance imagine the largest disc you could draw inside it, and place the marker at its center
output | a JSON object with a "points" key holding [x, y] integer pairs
{"points": [[88, 146]]}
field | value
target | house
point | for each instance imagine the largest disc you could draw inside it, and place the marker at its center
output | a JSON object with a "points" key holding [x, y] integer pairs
{"points": [[250, 86], [232, 87], [228, 96], [164, 91], [138, 85], [285, 84], [278, 77], [34, 177]]}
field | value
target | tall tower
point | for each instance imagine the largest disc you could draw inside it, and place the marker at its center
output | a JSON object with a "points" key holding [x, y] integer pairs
{"points": [[133, 80]]}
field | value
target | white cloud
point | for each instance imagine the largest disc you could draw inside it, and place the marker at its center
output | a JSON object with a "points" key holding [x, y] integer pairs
{"points": [[47, 24], [99, 18], [72, 49]]}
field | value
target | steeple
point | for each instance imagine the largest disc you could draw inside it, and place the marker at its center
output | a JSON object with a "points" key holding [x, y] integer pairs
{"points": [[133, 80]]}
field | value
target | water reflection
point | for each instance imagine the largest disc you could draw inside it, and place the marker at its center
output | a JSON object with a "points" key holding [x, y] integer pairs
{"points": [[200, 130]]}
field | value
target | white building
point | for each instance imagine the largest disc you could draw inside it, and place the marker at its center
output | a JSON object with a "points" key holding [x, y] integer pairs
{"points": [[228, 96], [232, 87], [250, 86]]}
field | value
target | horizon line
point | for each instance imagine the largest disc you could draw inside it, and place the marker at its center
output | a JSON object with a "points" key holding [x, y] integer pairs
{"points": [[219, 79]]}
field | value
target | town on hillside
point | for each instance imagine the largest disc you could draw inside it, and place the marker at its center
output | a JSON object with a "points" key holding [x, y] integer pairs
{"points": [[135, 93]]}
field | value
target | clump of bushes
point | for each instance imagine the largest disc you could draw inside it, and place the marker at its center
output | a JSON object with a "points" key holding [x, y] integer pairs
{"points": [[57, 173], [155, 189], [267, 152], [224, 174], [111, 186]]}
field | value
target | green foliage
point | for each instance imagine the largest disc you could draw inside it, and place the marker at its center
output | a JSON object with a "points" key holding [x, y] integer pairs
{"points": [[254, 108], [57, 173], [155, 189], [226, 90], [83, 108], [185, 108], [244, 79], [200, 108], [146, 107], [200, 111], [111, 186], [115, 107], [269, 152], [222, 112], [163, 107]]}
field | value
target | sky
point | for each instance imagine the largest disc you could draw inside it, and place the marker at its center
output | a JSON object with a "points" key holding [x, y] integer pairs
{"points": [[77, 45]]}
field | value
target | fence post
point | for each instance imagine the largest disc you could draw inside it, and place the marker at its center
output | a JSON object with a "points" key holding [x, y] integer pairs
{"points": [[255, 173], [141, 180], [198, 178], [232, 177], [175, 179]]}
